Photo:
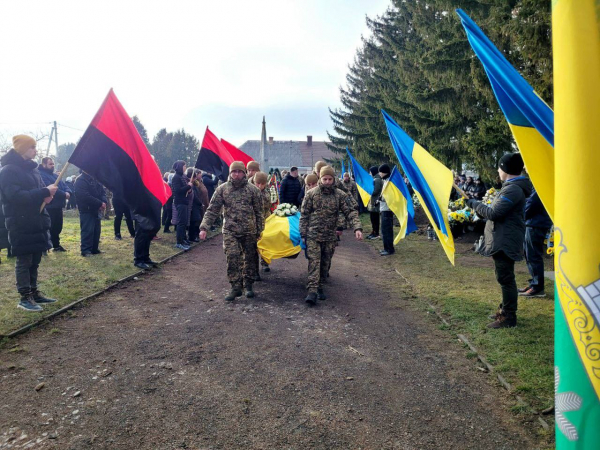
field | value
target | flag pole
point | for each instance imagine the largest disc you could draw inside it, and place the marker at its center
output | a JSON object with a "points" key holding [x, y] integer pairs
{"points": [[460, 191], [60, 175]]}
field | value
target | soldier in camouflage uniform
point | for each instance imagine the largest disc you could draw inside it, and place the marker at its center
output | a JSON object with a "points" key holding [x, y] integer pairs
{"points": [[319, 228], [260, 180], [352, 193], [338, 183], [243, 221], [251, 169]]}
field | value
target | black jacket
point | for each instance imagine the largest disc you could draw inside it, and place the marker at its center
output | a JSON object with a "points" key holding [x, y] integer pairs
{"points": [[196, 216], [3, 231], [505, 226], [180, 187], [290, 190], [22, 192], [90, 194], [535, 213], [210, 184], [60, 197]]}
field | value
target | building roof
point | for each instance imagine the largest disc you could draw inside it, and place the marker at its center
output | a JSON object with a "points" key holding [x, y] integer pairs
{"points": [[285, 154]]}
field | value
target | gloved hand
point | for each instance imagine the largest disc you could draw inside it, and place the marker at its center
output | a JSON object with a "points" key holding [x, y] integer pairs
{"points": [[471, 203]]}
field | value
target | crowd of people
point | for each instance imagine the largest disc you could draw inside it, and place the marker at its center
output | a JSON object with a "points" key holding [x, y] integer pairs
{"points": [[516, 221]]}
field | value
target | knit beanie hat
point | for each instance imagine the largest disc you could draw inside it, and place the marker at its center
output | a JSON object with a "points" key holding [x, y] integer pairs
{"points": [[237, 165], [327, 170], [319, 165], [311, 178], [259, 177], [22, 143], [384, 168], [253, 165], [512, 163]]}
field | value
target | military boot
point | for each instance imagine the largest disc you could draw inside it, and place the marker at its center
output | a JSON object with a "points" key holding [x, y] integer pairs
{"points": [[235, 291], [249, 291], [321, 294], [311, 298], [504, 320]]}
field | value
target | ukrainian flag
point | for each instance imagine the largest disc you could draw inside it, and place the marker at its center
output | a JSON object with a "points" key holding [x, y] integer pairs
{"points": [[430, 179], [280, 238], [364, 180], [398, 199], [576, 50], [343, 169], [529, 118]]}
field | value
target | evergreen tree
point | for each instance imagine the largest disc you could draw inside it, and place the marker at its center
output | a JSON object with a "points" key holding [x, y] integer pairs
{"points": [[419, 67], [141, 129]]}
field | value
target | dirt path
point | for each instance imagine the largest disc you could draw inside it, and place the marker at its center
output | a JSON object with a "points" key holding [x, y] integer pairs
{"points": [[165, 363]]}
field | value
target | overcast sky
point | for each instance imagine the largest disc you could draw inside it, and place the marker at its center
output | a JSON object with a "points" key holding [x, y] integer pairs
{"points": [[180, 63]]}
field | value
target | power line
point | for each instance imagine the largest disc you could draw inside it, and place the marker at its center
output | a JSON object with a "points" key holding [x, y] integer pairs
{"points": [[72, 128]]}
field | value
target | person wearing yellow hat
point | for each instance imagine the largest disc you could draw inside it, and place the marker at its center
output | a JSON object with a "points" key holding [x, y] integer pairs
{"points": [[22, 191], [243, 222], [319, 229]]}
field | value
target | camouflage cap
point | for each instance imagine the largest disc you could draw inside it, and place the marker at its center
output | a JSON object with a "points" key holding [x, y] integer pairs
{"points": [[327, 170], [260, 178], [253, 165], [319, 165], [237, 165]]}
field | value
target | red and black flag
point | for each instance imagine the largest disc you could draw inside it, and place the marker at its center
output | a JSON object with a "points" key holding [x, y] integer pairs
{"points": [[112, 151], [236, 153], [213, 156]]}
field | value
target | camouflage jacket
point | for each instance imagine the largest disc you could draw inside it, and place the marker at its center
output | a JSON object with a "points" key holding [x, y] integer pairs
{"points": [[242, 206], [320, 213], [352, 191], [266, 197]]}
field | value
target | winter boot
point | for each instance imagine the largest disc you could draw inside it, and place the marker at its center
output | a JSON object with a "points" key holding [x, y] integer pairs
{"points": [[235, 291], [321, 294], [496, 314], [249, 291], [28, 303], [504, 320], [39, 297], [311, 298]]}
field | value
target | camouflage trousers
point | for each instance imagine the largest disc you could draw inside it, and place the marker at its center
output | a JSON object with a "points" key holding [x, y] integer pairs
{"points": [[242, 259], [319, 261]]}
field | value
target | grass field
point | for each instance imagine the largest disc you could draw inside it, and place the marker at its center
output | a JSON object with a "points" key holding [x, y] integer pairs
{"points": [[68, 276], [465, 294]]}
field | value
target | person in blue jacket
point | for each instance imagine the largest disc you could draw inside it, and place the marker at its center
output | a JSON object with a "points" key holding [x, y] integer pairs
{"points": [[58, 203]]}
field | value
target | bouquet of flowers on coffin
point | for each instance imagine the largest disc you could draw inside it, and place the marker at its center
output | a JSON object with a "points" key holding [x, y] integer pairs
{"points": [[286, 210], [281, 236]]}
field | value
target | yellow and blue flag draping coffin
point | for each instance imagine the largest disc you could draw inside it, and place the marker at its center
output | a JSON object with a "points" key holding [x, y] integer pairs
{"points": [[363, 179], [429, 178], [280, 238], [398, 199], [576, 51], [530, 119]]}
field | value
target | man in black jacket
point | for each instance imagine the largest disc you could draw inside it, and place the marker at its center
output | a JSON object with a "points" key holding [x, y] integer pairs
{"points": [[505, 232], [210, 182], [290, 188], [91, 199], [22, 192], [181, 188], [538, 223], [373, 205], [55, 207]]}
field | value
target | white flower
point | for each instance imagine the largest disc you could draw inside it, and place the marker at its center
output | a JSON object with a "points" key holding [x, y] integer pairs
{"points": [[287, 211], [280, 213]]}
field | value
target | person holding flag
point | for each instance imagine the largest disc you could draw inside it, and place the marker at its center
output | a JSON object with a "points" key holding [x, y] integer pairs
{"points": [[21, 193], [112, 152], [505, 233]]}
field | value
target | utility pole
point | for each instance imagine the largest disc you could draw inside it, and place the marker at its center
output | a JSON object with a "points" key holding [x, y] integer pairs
{"points": [[53, 135]]}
